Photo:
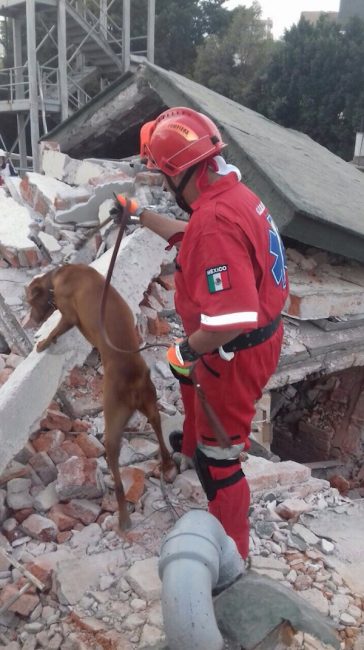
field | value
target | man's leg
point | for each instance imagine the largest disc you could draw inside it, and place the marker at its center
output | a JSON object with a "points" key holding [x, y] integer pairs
{"points": [[227, 492], [231, 508]]}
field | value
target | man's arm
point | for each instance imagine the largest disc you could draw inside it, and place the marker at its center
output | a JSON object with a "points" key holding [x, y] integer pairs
{"points": [[161, 224], [203, 341]]}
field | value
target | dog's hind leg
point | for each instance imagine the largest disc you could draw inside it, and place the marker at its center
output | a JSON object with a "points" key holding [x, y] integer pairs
{"points": [[61, 328], [116, 415], [149, 408]]}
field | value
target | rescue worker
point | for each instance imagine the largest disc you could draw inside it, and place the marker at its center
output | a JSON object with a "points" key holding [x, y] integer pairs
{"points": [[231, 286], [6, 167]]}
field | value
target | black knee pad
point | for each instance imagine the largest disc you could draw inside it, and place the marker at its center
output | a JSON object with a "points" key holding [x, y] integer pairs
{"points": [[209, 484]]}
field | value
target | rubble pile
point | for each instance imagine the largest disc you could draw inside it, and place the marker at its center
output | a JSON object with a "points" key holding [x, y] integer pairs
{"points": [[57, 505], [322, 419]]}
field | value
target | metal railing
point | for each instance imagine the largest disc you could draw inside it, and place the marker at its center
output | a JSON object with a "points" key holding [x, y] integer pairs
{"points": [[14, 85], [106, 27]]}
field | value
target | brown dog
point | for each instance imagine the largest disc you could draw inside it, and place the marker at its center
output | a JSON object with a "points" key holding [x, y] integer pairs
{"points": [[76, 290]]}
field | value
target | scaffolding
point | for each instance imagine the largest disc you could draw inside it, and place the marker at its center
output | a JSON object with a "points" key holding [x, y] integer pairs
{"points": [[90, 47]]}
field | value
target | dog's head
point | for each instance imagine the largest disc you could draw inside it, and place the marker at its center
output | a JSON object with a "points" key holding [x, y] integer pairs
{"points": [[39, 295]]}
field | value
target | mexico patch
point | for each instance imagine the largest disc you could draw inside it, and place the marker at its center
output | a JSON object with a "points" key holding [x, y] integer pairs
{"points": [[218, 278]]}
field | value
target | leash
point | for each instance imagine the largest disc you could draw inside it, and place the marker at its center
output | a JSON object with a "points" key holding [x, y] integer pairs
{"points": [[219, 431]]}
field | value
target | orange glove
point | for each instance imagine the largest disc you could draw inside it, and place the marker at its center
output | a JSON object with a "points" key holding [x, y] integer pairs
{"points": [[119, 207], [181, 357]]}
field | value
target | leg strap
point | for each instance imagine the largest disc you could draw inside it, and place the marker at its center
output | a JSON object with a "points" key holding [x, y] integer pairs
{"points": [[210, 485]]}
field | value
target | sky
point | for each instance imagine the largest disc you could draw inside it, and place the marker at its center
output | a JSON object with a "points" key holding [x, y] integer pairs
{"points": [[285, 13]]}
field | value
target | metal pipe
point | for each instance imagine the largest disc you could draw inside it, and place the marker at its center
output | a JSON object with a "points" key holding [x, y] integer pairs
{"points": [[196, 557]]}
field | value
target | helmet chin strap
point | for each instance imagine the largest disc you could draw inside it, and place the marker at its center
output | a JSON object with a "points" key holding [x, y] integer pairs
{"points": [[178, 189]]}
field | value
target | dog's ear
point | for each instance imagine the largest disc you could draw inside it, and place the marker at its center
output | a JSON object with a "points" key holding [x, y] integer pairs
{"points": [[34, 291]]}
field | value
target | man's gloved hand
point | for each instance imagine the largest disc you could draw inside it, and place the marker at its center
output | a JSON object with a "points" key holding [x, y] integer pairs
{"points": [[182, 357], [123, 203]]}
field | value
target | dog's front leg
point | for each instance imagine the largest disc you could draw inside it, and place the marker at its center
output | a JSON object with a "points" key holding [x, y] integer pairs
{"points": [[63, 326]]}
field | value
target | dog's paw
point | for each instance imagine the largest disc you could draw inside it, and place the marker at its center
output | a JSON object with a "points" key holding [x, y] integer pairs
{"points": [[170, 471]]}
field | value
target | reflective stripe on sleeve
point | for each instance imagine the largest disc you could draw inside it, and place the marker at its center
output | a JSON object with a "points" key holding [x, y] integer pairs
{"points": [[230, 319]]}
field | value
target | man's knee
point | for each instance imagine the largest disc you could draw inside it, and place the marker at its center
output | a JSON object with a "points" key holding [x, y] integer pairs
{"points": [[211, 480]]}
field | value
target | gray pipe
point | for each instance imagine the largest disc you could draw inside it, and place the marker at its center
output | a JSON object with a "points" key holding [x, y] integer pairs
{"points": [[196, 557]]}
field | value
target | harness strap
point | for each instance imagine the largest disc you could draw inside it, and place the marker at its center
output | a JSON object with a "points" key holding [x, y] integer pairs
{"points": [[255, 337]]}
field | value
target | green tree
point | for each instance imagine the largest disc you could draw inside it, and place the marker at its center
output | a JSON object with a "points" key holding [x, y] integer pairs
{"points": [[180, 28], [315, 83], [228, 62]]}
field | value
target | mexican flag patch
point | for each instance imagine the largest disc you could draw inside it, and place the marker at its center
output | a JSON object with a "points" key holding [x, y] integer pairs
{"points": [[218, 278]]}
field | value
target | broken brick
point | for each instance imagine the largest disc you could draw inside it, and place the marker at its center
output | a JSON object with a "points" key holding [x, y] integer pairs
{"points": [[90, 445], [47, 440], [56, 420]]}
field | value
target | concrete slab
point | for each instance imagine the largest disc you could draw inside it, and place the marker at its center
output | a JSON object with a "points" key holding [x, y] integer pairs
{"points": [[89, 212], [320, 295], [347, 532]]}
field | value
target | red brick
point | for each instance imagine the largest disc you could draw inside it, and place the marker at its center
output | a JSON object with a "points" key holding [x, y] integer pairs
{"points": [[56, 420], [340, 483], [23, 605], [167, 281], [133, 483], [77, 378], [5, 374], [47, 440], [158, 326], [10, 255], [32, 257], [65, 451], [63, 537], [90, 445], [21, 515], [80, 425], [43, 573], [62, 520]]}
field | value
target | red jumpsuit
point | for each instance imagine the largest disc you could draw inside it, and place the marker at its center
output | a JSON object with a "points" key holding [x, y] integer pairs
{"points": [[230, 275]]}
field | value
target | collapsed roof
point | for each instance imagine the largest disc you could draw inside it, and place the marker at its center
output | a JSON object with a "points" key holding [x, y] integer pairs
{"points": [[316, 198]]}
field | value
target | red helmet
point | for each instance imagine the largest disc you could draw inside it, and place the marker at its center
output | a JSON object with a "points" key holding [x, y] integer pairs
{"points": [[145, 134], [180, 138]]}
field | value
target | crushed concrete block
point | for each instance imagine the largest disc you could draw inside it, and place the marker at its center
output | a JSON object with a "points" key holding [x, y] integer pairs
{"points": [[49, 242], [15, 225], [144, 579], [18, 496], [54, 164], [190, 485], [88, 212], [87, 171], [46, 498], [316, 598], [291, 473], [260, 473], [46, 194], [74, 576], [292, 508]]}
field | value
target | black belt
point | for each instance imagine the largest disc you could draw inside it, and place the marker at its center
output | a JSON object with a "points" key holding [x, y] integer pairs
{"points": [[255, 337]]}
